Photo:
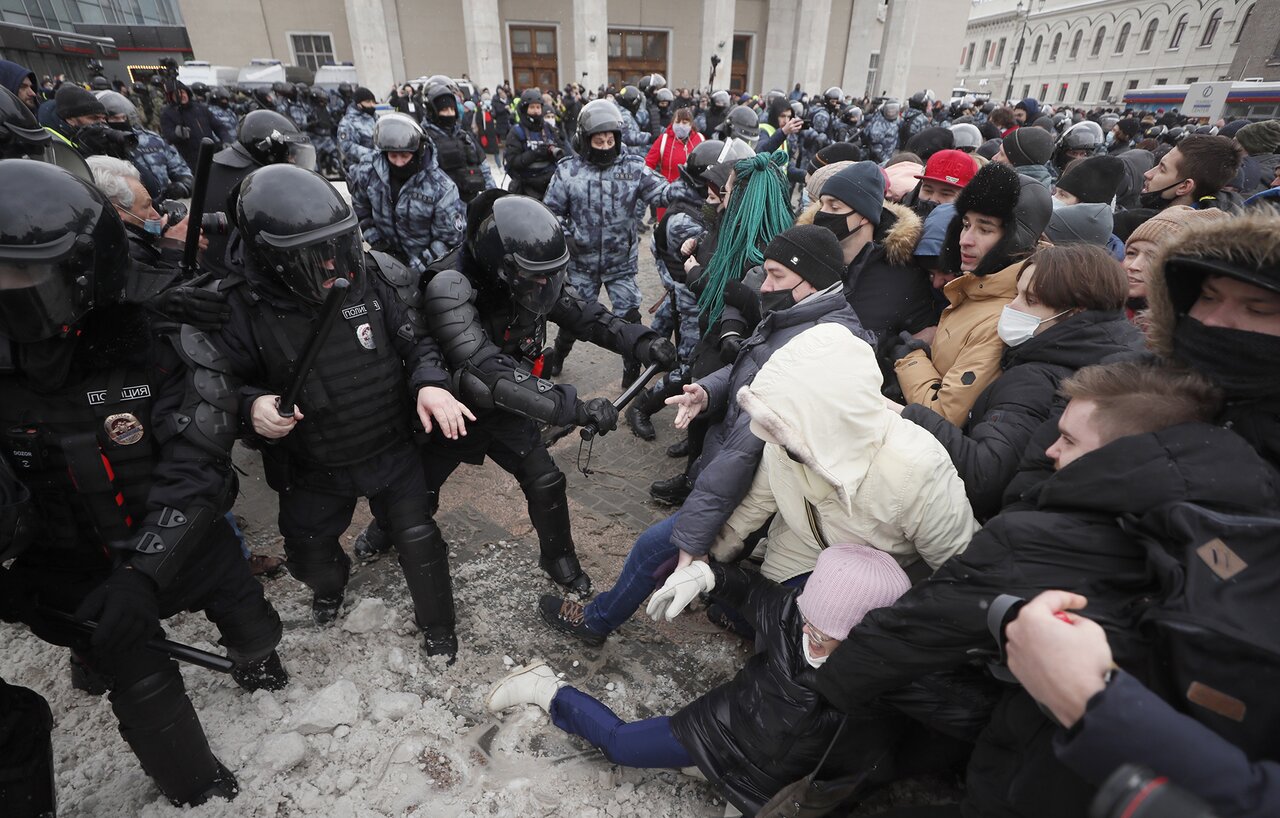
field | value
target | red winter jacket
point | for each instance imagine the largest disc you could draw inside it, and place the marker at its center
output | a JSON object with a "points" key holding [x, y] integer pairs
{"points": [[668, 153]]}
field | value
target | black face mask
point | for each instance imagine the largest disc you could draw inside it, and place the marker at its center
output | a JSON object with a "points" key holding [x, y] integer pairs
{"points": [[123, 127], [405, 172], [1244, 364], [602, 158], [837, 223], [1155, 200], [447, 122], [777, 300], [923, 207]]}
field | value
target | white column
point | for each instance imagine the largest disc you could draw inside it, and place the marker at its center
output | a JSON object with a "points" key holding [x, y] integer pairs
{"points": [[717, 38], [483, 29], [896, 47], [864, 39], [590, 44], [391, 15], [370, 50], [811, 47], [779, 47]]}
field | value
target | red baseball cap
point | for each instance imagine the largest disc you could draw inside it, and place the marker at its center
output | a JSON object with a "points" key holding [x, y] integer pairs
{"points": [[950, 168]]}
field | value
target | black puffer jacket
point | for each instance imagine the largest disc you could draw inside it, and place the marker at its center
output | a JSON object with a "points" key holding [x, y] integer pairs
{"points": [[1005, 416], [1070, 540], [762, 730]]}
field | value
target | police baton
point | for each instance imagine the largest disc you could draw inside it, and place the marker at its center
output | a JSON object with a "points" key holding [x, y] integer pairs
{"points": [[195, 214], [590, 431], [170, 648], [328, 314]]}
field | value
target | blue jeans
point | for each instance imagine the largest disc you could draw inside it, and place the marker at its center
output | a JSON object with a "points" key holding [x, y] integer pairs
{"points": [[647, 743], [646, 566]]}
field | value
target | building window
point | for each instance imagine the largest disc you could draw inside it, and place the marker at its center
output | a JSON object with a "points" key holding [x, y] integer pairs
{"points": [[1000, 52], [1075, 44], [312, 50], [1122, 39], [1192, 80], [1026, 90], [1044, 90], [1062, 92], [968, 60], [1179, 28], [533, 57], [633, 53], [1057, 44], [1244, 21], [873, 72], [1084, 91], [986, 53], [1132, 85], [1162, 81], [1106, 90], [1097, 41], [1211, 28], [1150, 36], [1035, 52], [740, 65], [964, 52]]}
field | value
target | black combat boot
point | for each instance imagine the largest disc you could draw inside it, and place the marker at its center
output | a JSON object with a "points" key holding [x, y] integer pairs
{"points": [[553, 357], [266, 673], [321, 565], [680, 449], [646, 405], [424, 558], [671, 491], [549, 513], [162, 728]]}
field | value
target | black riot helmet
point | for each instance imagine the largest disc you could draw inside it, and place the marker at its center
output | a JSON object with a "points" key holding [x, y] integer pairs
{"points": [[663, 95], [220, 95], [199, 90], [921, 100], [833, 97], [397, 133], [656, 83], [441, 97], [346, 90], [446, 81], [699, 159], [271, 138], [265, 97], [598, 116], [298, 230], [520, 241], [720, 100], [629, 98], [282, 90], [60, 255], [643, 84], [742, 123], [20, 134], [301, 89], [1081, 139], [529, 96]]}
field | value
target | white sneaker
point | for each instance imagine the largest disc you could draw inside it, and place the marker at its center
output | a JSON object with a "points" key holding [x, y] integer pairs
{"points": [[535, 683]]}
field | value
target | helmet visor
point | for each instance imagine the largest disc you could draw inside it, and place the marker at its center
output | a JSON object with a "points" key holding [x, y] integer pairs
{"points": [[309, 264], [39, 296], [537, 285]]}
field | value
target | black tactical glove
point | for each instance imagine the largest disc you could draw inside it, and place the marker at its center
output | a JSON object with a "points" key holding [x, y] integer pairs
{"points": [[178, 188], [181, 132], [199, 307], [125, 608], [381, 245], [904, 345], [660, 351], [598, 412]]}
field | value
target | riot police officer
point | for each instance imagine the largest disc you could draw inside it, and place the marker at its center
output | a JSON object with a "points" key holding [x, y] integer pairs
{"points": [[164, 173], [223, 116], [355, 131], [121, 430], [321, 131], [458, 151], [406, 204], [708, 122], [264, 138], [532, 148], [596, 194], [630, 101], [488, 304], [350, 435]]}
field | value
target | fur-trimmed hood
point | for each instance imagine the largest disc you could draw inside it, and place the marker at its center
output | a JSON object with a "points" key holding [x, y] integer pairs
{"points": [[1251, 240], [899, 231], [819, 398]]}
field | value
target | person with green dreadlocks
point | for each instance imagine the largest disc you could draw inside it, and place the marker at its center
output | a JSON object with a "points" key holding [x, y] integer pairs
{"points": [[802, 288]]}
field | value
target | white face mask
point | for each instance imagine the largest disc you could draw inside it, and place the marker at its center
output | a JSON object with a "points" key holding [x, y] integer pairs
{"points": [[1017, 327], [681, 130], [814, 661]]}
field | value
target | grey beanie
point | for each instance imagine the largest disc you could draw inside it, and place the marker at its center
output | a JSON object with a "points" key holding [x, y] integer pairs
{"points": [[1080, 224], [1028, 146], [861, 187]]}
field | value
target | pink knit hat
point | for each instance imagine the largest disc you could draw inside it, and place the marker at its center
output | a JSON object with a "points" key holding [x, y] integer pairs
{"points": [[847, 582]]}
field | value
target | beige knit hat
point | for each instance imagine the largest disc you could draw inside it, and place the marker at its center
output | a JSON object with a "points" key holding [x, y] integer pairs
{"points": [[820, 176], [1171, 221]]}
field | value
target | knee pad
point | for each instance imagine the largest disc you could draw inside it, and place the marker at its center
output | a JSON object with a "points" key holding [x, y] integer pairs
{"points": [[537, 468], [152, 701], [420, 545]]}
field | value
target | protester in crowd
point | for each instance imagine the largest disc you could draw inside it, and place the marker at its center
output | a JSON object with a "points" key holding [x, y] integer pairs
{"points": [[1027, 150], [1066, 315], [1141, 251], [999, 218], [1194, 174], [672, 148], [1092, 180]]}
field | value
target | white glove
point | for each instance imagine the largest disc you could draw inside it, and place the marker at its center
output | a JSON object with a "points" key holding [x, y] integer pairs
{"points": [[679, 590]]}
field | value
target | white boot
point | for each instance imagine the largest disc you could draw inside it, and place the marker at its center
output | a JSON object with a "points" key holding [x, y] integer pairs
{"points": [[535, 683]]}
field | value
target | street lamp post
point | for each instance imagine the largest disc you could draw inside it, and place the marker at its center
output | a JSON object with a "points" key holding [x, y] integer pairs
{"points": [[1017, 54]]}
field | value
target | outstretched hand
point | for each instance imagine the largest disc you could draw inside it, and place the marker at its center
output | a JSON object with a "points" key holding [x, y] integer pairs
{"points": [[448, 411], [690, 403]]}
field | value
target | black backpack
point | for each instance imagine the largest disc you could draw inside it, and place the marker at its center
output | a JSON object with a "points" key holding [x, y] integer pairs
{"points": [[1213, 627]]}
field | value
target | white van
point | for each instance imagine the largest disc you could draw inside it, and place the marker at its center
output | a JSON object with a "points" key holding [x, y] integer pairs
{"points": [[329, 77], [193, 71]]}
